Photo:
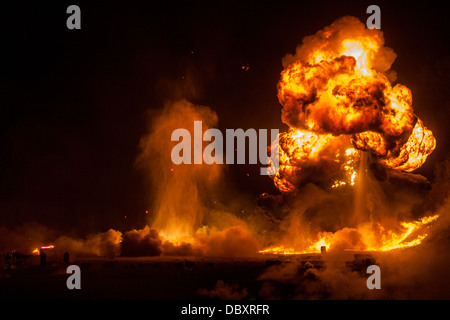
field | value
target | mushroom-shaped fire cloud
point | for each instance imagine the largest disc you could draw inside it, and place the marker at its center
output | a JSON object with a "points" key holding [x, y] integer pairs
{"points": [[337, 96]]}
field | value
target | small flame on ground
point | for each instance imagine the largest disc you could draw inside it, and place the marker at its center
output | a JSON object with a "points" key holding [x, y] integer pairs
{"points": [[37, 251]]}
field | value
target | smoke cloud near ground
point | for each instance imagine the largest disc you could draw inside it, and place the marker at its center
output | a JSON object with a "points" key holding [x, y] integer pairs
{"points": [[363, 217], [414, 273], [419, 272], [312, 212], [145, 242], [103, 244], [233, 242], [24, 238], [224, 291], [32, 235]]}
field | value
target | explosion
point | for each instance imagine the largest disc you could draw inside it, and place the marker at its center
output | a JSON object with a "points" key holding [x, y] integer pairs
{"points": [[338, 87], [344, 114], [340, 104]]}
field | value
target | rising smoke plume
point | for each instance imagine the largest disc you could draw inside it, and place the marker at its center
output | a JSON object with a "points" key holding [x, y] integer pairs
{"points": [[179, 193], [186, 199]]}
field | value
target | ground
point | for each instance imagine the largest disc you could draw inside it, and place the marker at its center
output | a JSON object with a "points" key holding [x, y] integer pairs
{"points": [[171, 278]]}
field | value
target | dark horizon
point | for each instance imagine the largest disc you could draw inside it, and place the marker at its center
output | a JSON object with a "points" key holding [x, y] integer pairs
{"points": [[75, 103]]}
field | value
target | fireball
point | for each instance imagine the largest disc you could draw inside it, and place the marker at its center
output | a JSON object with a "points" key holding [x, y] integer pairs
{"points": [[339, 100], [336, 89]]}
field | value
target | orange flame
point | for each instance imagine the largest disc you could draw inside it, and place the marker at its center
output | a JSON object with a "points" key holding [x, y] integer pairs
{"points": [[338, 85], [300, 149], [337, 99], [37, 251], [390, 240]]}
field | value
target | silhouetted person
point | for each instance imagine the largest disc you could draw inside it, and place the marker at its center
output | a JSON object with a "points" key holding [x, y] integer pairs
{"points": [[43, 259], [66, 259]]}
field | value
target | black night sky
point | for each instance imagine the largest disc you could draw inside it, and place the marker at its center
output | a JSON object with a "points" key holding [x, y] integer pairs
{"points": [[73, 103]]}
